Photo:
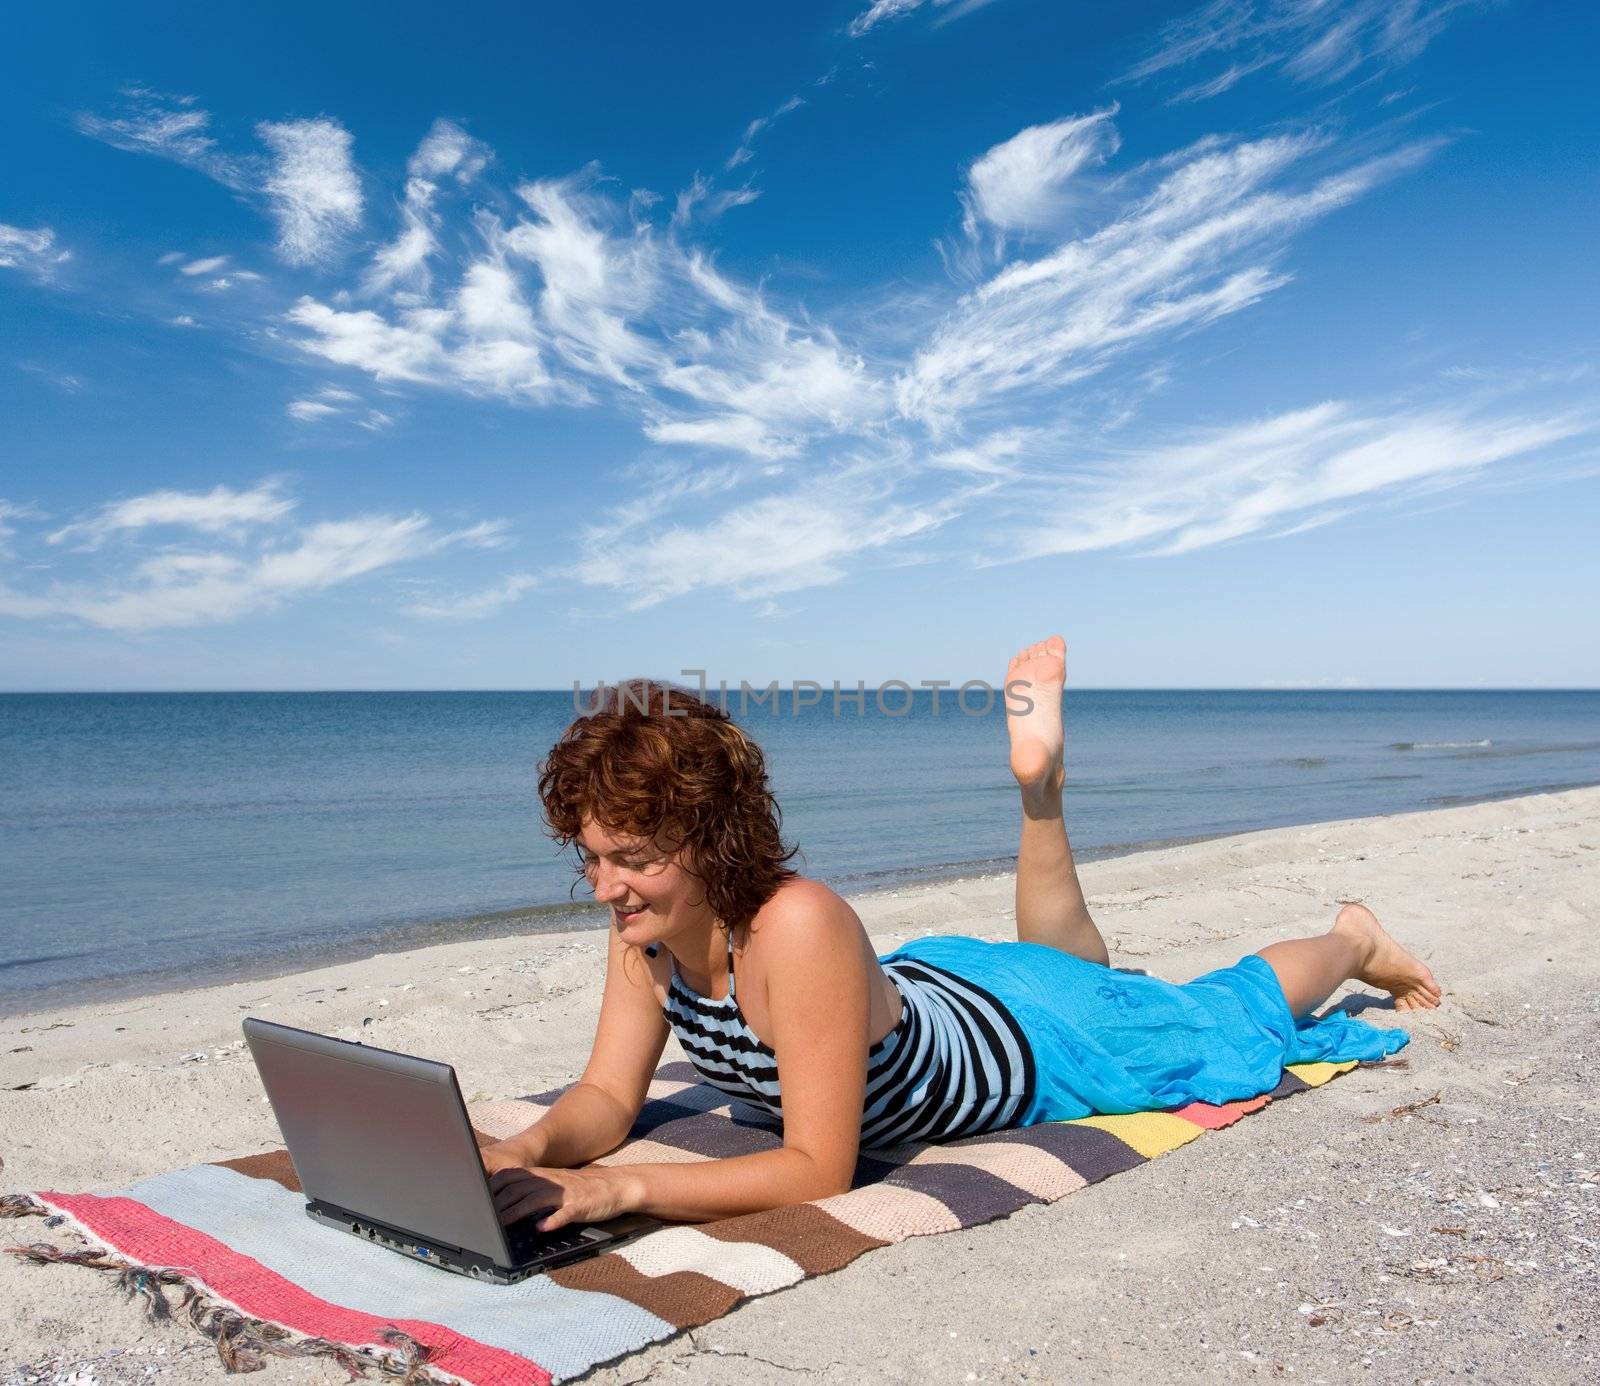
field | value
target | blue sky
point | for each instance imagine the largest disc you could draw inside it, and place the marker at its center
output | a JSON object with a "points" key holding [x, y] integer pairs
{"points": [[1247, 344]]}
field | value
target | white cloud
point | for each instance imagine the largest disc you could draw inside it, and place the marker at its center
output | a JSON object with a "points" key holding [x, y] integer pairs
{"points": [[879, 11], [1273, 477], [593, 281], [994, 455], [183, 320], [331, 402], [473, 606], [270, 562], [746, 150], [218, 511], [34, 252], [9, 514], [403, 264], [449, 151], [210, 265], [775, 544], [310, 410], [1022, 183], [703, 201], [883, 11], [169, 127], [730, 432], [408, 350], [1309, 40], [1201, 245], [313, 188]]}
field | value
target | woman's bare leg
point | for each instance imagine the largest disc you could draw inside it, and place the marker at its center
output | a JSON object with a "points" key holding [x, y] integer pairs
{"points": [[1050, 904], [1310, 970]]}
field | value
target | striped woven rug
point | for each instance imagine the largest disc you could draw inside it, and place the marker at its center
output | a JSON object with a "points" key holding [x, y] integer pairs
{"points": [[247, 1267]]}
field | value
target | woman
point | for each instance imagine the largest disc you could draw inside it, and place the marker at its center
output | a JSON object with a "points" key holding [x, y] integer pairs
{"points": [[761, 972]]}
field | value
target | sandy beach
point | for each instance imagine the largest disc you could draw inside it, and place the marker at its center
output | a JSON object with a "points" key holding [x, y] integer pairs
{"points": [[1433, 1222]]}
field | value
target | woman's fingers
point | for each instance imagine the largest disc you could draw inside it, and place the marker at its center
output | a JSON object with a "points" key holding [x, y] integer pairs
{"points": [[563, 1196], [519, 1192]]}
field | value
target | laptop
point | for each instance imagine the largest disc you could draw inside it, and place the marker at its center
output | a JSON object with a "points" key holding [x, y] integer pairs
{"points": [[384, 1151]]}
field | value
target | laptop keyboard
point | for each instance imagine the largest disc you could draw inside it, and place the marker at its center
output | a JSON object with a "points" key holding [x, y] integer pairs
{"points": [[526, 1241]]}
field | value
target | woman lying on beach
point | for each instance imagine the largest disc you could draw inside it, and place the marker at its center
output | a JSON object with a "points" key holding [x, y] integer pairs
{"points": [[764, 975]]}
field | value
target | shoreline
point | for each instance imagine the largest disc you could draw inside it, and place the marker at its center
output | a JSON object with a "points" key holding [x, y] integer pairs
{"points": [[1421, 1211], [550, 920]]}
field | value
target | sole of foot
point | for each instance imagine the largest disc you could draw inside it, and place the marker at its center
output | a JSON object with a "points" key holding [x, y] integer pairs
{"points": [[1403, 975], [1034, 680]]}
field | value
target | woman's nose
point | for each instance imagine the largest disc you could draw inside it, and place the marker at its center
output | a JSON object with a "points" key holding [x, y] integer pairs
{"points": [[607, 885]]}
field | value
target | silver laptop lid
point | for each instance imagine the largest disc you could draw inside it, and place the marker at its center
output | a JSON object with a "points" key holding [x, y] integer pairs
{"points": [[380, 1135]]}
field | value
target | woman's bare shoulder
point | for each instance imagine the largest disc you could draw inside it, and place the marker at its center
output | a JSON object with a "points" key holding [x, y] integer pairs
{"points": [[804, 909], [799, 897]]}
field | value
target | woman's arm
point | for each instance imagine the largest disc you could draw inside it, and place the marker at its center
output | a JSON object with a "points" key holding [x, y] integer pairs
{"points": [[819, 978], [596, 1113]]}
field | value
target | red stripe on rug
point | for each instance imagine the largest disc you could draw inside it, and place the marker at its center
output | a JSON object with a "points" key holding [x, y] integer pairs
{"points": [[1215, 1118], [156, 1240]]}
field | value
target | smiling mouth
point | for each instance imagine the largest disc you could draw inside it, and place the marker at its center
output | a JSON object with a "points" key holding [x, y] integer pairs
{"points": [[623, 916]]}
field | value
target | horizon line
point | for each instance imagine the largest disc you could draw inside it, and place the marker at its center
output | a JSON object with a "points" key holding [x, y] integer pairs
{"points": [[950, 688]]}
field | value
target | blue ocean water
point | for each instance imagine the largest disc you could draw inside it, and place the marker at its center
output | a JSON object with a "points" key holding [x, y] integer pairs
{"points": [[148, 840]]}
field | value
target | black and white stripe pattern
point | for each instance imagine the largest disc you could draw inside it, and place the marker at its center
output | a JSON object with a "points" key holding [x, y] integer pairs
{"points": [[956, 1064]]}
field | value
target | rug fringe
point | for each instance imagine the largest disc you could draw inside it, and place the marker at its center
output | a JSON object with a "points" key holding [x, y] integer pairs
{"points": [[20, 1206], [243, 1344]]}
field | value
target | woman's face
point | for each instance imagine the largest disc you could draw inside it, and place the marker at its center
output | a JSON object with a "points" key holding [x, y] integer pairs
{"points": [[652, 896]]}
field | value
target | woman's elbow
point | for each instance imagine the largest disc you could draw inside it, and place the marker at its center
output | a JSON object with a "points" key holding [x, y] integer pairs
{"points": [[824, 1179]]}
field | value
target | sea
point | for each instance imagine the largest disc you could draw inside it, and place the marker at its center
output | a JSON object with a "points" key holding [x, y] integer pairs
{"points": [[155, 840]]}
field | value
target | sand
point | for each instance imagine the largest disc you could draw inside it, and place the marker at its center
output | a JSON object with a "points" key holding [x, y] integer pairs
{"points": [[1335, 1236]]}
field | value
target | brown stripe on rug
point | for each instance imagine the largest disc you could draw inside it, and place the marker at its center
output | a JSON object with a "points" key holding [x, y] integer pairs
{"points": [[270, 1164], [812, 1239], [685, 1299]]}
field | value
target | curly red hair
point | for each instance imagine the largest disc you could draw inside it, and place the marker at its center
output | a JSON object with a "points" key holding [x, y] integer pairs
{"points": [[654, 760]]}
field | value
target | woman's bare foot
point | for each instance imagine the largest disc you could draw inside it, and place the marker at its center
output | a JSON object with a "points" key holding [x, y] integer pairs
{"points": [[1036, 675], [1385, 963]]}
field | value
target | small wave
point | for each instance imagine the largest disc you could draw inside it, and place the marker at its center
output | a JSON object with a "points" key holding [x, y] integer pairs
{"points": [[1438, 745], [1305, 762]]}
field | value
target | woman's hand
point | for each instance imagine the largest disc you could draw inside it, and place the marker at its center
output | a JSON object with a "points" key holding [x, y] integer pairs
{"points": [[563, 1195]]}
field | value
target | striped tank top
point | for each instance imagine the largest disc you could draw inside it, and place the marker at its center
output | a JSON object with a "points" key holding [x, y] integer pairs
{"points": [[957, 1062]]}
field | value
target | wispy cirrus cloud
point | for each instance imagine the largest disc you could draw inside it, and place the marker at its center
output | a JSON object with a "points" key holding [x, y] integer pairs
{"points": [[447, 154], [800, 537], [574, 299], [1202, 244], [1306, 40], [32, 251], [1280, 475], [179, 580], [473, 606], [331, 402], [307, 180], [168, 127], [313, 188], [886, 11], [1023, 184], [747, 144], [218, 511], [784, 449]]}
